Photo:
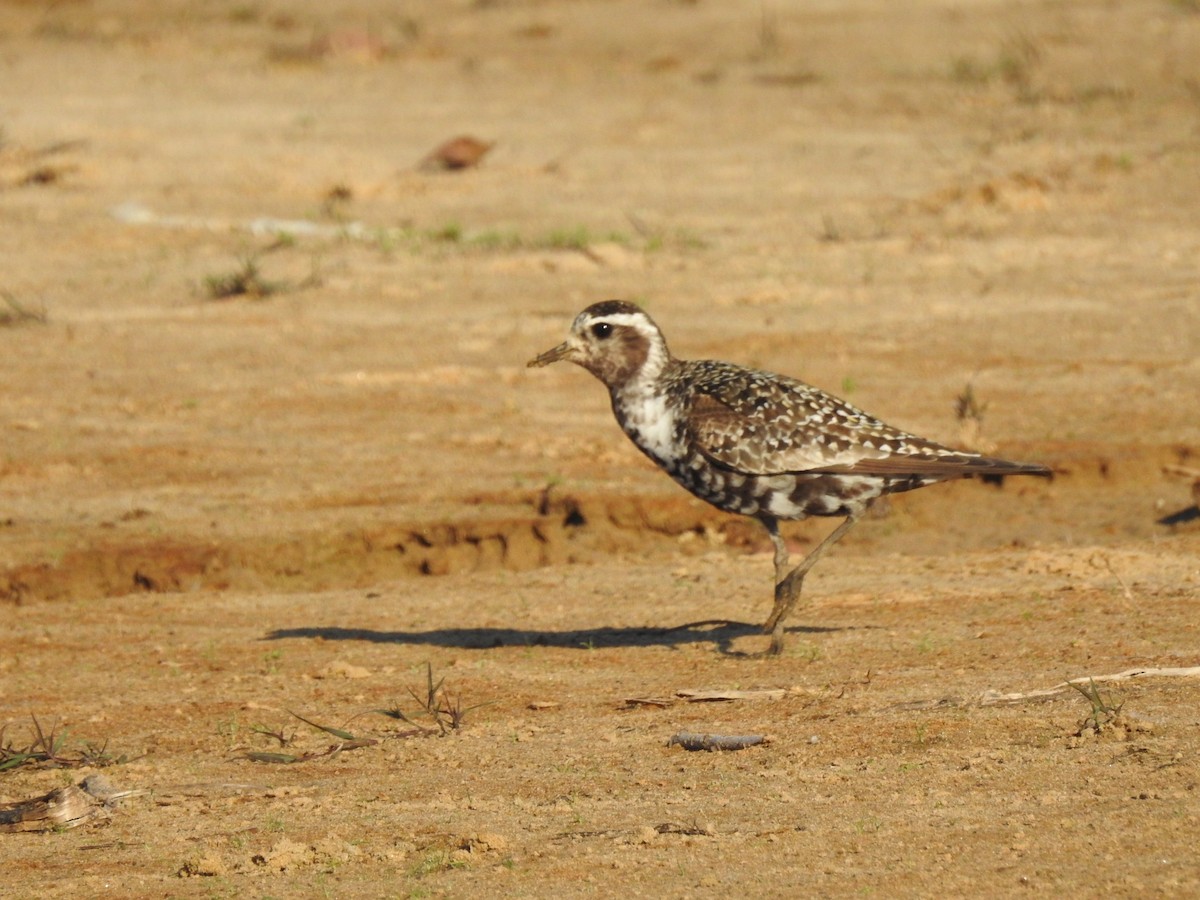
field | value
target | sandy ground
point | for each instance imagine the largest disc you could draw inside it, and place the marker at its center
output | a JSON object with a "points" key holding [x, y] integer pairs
{"points": [[218, 513]]}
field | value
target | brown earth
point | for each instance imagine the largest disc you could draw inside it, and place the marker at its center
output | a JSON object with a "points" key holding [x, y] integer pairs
{"points": [[218, 512]]}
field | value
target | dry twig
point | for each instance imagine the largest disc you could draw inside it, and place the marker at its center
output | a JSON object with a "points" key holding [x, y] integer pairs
{"points": [[65, 807], [993, 698]]}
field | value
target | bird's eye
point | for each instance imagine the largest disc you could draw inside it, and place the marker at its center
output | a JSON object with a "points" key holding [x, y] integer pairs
{"points": [[602, 330]]}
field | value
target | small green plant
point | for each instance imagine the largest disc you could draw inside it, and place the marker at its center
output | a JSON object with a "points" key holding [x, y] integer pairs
{"points": [[451, 233], [437, 861], [243, 14], [1013, 64], [497, 240], [967, 407], [968, 70], [244, 281], [229, 727], [1103, 713], [49, 749], [807, 651], [436, 703], [13, 312], [868, 824], [829, 233], [346, 741], [278, 734], [576, 238], [271, 662], [247, 279]]}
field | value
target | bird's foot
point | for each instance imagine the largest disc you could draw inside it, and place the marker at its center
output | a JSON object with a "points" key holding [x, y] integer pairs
{"points": [[777, 642]]}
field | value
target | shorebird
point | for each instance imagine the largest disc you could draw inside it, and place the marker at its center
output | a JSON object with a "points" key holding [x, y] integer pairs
{"points": [[753, 442]]}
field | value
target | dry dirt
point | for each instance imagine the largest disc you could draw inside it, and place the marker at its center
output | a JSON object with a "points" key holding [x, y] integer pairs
{"points": [[215, 513]]}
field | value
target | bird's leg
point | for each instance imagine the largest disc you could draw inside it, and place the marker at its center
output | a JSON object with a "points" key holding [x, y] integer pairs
{"points": [[787, 588], [781, 551], [782, 603]]}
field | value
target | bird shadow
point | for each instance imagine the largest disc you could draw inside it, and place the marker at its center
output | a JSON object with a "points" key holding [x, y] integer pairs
{"points": [[720, 632], [1187, 514]]}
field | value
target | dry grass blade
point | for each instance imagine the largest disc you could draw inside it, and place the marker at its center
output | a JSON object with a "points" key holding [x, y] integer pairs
{"points": [[245, 281], [660, 702], [346, 741], [717, 696], [266, 757], [993, 698], [430, 701], [967, 407], [693, 830], [16, 313], [331, 750], [969, 413], [284, 739], [1103, 713], [444, 709], [336, 732]]}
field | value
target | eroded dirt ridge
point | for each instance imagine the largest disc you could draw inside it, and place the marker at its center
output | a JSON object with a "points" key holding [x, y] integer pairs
{"points": [[517, 531], [543, 528]]}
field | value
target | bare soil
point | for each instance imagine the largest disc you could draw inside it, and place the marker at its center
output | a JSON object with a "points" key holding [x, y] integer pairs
{"points": [[307, 494]]}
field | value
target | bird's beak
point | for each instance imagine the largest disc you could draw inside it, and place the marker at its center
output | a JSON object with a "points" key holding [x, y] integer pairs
{"points": [[562, 351]]}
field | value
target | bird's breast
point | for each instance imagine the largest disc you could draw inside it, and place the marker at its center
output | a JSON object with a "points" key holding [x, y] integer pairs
{"points": [[653, 423]]}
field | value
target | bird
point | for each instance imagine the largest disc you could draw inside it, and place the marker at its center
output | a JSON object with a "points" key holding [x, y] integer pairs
{"points": [[754, 442]]}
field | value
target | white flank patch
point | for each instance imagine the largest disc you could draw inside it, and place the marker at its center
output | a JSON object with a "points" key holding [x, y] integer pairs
{"points": [[781, 505], [649, 422]]}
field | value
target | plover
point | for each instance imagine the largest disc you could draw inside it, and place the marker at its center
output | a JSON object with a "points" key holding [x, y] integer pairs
{"points": [[753, 442]]}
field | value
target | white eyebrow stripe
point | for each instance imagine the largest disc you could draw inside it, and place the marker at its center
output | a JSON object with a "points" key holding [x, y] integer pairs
{"points": [[627, 319]]}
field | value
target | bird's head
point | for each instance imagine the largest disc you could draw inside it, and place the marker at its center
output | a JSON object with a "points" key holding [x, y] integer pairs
{"points": [[616, 341]]}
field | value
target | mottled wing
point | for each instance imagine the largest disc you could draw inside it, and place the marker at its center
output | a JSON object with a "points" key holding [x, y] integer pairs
{"points": [[765, 424]]}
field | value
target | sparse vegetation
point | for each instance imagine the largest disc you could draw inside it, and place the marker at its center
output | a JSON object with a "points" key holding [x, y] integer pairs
{"points": [[439, 713], [49, 750], [244, 281], [278, 734], [577, 238], [219, 512], [808, 651], [1104, 712], [13, 312], [829, 233], [271, 662], [436, 703], [247, 279], [572, 238], [437, 861], [346, 741], [967, 407], [1013, 64]]}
